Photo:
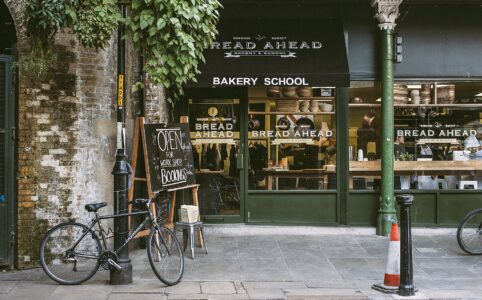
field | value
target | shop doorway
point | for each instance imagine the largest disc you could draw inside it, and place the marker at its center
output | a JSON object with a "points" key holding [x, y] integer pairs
{"points": [[217, 121]]}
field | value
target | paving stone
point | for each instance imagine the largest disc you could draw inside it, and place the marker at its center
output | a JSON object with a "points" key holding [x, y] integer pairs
{"points": [[33, 291], [218, 288], [7, 286], [229, 297], [345, 252], [141, 286], [451, 294], [449, 272], [130, 296], [273, 284], [338, 241], [188, 297], [324, 293], [417, 296], [265, 294], [239, 287], [66, 292], [184, 287], [267, 275], [322, 283]]}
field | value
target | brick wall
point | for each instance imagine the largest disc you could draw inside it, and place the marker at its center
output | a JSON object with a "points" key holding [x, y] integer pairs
{"points": [[66, 135]]}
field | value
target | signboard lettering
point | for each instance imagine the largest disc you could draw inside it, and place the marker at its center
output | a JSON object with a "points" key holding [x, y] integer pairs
{"points": [[169, 152]]}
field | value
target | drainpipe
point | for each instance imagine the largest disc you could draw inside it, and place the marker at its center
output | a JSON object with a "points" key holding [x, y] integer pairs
{"points": [[386, 14]]}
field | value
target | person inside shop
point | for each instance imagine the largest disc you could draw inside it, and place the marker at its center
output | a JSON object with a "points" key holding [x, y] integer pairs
{"points": [[473, 144], [399, 147], [401, 182]]}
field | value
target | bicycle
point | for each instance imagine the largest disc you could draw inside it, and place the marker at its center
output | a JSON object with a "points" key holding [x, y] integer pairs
{"points": [[71, 252], [469, 232]]}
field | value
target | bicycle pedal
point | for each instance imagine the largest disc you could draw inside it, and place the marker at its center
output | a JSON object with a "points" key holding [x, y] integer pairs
{"points": [[114, 264]]}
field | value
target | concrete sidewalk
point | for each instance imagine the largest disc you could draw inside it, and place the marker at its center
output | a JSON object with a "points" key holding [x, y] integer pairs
{"points": [[257, 262]]}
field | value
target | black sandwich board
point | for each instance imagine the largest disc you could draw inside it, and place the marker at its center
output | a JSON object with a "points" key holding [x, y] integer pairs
{"points": [[169, 154]]}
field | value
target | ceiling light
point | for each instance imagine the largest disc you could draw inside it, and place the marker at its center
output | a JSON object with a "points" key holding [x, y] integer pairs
{"points": [[414, 86], [478, 95], [379, 100]]}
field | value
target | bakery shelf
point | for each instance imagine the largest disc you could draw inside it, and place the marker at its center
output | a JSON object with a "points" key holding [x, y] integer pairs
{"points": [[290, 113]]}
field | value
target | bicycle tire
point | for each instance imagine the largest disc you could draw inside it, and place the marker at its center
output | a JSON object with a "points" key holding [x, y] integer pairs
{"points": [[56, 256], [165, 255], [467, 234]]}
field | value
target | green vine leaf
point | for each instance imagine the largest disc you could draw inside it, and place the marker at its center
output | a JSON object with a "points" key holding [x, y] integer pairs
{"points": [[173, 36]]}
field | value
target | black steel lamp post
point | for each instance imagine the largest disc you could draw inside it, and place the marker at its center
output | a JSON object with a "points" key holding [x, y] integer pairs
{"points": [[121, 169]]}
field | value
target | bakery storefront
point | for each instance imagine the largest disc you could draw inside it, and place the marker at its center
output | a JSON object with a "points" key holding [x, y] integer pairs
{"points": [[285, 120]]}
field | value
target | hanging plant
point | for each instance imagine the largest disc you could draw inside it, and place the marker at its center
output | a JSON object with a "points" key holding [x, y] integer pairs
{"points": [[173, 35]]}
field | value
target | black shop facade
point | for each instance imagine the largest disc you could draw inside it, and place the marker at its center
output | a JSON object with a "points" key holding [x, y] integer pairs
{"points": [[285, 122]]}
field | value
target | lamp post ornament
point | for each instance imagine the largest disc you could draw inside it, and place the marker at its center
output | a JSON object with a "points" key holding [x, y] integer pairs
{"points": [[387, 12]]}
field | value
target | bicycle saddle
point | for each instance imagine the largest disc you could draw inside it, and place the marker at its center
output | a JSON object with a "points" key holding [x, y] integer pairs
{"points": [[140, 201], [93, 207]]}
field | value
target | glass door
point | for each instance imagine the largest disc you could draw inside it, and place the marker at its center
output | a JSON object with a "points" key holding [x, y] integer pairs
{"points": [[217, 139]]}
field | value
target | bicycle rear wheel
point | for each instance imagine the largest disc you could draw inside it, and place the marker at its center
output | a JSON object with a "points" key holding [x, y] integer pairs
{"points": [[69, 253], [469, 232], [165, 255]]}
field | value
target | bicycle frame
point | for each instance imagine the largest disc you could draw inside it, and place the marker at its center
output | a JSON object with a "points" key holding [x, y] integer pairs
{"points": [[97, 220]]}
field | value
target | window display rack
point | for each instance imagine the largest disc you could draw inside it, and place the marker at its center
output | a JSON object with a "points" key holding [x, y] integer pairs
{"points": [[291, 113], [463, 105]]}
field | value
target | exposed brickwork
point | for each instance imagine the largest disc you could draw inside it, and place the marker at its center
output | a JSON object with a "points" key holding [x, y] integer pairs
{"points": [[66, 140], [66, 134], [155, 107]]}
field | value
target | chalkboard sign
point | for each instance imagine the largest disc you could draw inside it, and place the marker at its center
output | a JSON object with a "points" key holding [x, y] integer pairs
{"points": [[169, 153]]}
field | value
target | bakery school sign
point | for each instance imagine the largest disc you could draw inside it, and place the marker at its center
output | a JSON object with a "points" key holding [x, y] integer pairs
{"points": [[169, 152], [262, 52]]}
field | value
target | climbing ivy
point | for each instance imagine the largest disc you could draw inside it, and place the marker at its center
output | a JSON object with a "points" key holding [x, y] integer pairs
{"points": [[172, 34], [93, 21]]}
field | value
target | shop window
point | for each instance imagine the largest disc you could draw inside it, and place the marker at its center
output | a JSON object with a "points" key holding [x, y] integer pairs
{"points": [[291, 136], [215, 132], [438, 131]]}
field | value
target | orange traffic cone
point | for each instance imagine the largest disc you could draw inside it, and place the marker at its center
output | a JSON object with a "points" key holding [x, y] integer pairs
{"points": [[391, 281]]}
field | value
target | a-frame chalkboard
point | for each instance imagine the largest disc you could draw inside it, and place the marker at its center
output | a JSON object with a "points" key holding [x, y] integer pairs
{"points": [[144, 147], [169, 153]]}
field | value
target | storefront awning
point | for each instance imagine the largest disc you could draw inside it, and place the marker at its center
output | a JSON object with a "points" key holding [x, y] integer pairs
{"points": [[276, 52]]}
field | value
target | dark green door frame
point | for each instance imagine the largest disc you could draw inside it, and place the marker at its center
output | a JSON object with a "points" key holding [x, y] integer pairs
{"points": [[226, 93], [342, 164], [7, 196]]}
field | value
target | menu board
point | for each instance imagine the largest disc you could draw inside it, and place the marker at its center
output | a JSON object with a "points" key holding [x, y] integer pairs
{"points": [[169, 153]]}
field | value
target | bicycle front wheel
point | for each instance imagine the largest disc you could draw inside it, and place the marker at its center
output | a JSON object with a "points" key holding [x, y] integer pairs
{"points": [[165, 255], [69, 253], [469, 232]]}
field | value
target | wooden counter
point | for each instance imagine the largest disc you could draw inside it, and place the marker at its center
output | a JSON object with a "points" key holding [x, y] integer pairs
{"points": [[419, 167]]}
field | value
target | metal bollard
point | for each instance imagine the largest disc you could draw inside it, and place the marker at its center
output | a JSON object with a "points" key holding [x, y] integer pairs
{"points": [[406, 264]]}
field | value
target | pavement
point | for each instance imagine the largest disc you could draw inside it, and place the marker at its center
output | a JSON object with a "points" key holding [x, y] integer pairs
{"points": [[264, 262]]}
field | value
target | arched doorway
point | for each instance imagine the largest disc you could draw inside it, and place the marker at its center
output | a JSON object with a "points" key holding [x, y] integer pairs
{"points": [[7, 137]]}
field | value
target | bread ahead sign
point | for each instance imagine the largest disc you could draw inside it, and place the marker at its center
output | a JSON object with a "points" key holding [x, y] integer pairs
{"points": [[261, 45], [276, 52]]}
